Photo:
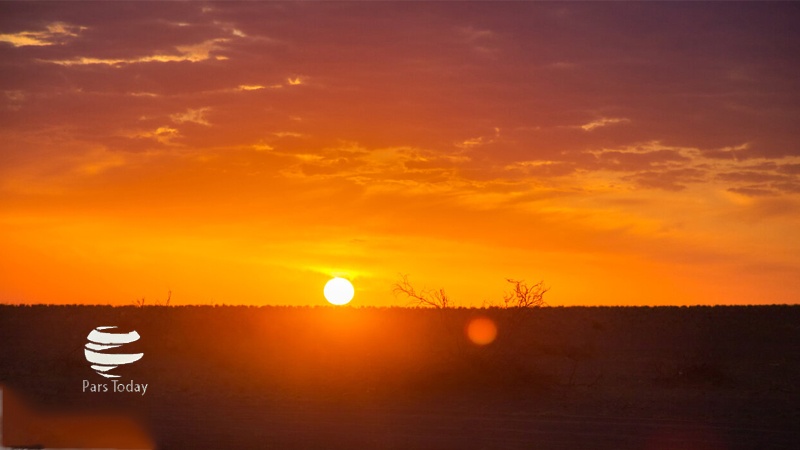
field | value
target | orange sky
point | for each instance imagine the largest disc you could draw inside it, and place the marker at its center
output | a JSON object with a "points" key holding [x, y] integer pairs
{"points": [[627, 154]]}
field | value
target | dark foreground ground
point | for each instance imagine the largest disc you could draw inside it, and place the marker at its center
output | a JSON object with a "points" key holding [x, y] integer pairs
{"points": [[298, 378]]}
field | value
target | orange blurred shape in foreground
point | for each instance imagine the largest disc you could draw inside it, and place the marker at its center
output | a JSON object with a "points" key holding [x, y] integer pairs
{"points": [[481, 330], [25, 427]]}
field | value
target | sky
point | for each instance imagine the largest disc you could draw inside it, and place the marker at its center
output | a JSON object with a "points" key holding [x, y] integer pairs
{"points": [[245, 153]]}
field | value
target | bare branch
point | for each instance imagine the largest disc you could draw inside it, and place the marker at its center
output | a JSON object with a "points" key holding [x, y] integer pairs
{"points": [[166, 302], [434, 298], [524, 296]]}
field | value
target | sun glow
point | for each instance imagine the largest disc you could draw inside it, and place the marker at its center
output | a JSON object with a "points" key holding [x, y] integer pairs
{"points": [[339, 291]]}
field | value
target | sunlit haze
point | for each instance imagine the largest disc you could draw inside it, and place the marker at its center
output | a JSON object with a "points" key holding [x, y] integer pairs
{"points": [[246, 153]]}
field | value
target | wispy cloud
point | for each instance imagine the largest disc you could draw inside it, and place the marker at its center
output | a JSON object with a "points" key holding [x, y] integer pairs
{"points": [[164, 135], [653, 165], [253, 87], [603, 122], [55, 33], [479, 140], [480, 40], [192, 116], [183, 53], [14, 99], [283, 134]]}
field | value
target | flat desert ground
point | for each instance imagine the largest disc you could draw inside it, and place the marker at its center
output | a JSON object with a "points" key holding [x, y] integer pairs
{"points": [[407, 378]]}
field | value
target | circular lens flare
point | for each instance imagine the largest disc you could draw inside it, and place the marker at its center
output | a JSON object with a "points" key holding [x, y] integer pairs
{"points": [[338, 291], [481, 331]]}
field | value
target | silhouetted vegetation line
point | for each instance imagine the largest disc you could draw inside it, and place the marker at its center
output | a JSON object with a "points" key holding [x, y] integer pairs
{"points": [[522, 295], [140, 303]]}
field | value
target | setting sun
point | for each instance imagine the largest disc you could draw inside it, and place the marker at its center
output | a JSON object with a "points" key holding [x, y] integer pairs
{"points": [[339, 291]]}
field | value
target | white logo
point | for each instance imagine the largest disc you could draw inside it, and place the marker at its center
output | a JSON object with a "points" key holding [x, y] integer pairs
{"points": [[101, 341]]}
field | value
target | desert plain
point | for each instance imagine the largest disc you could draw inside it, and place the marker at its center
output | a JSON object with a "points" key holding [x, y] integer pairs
{"points": [[722, 377]]}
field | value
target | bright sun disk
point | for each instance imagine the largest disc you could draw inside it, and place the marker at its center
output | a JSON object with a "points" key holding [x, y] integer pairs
{"points": [[338, 291]]}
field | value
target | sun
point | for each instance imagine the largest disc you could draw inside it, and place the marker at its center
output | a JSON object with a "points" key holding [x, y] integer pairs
{"points": [[338, 291]]}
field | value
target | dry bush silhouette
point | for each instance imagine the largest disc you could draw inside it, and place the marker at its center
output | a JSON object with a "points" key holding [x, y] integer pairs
{"points": [[430, 298], [438, 300], [166, 302], [141, 303], [524, 296]]}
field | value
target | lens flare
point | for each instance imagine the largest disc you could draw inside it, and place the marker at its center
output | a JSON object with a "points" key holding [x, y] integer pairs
{"points": [[481, 331]]}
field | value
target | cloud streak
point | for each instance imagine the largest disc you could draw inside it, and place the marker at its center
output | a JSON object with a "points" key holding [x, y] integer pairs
{"points": [[56, 33], [183, 53]]}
